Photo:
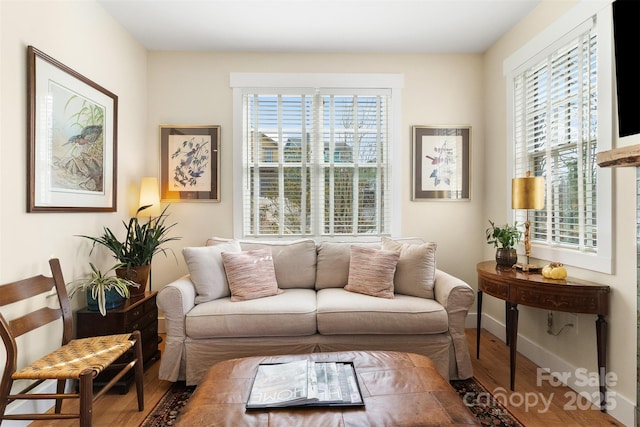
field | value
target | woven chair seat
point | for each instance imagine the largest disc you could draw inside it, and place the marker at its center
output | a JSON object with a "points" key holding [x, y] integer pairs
{"points": [[69, 361]]}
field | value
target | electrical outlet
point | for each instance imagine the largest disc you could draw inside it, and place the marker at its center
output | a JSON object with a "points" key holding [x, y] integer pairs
{"points": [[568, 321], [559, 323], [572, 318]]}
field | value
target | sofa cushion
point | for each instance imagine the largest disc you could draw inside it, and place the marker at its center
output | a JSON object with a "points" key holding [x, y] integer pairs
{"points": [[371, 271], [416, 271], [250, 274], [207, 271], [342, 313], [294, 261], [333, 263], [291, 313]]}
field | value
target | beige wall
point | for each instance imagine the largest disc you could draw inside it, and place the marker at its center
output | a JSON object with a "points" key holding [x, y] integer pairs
{"points": [[193, 88], [576, 349], [82, 36]]}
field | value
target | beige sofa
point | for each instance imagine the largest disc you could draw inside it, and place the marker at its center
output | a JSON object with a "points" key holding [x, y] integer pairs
{"points": [[314, 312]]}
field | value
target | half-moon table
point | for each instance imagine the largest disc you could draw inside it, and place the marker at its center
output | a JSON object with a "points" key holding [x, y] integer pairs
{"points": [[533, 290]]}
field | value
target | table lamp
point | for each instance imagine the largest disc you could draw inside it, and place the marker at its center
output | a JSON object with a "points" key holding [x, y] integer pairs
{"points": [[527, 193], [150, 195]]}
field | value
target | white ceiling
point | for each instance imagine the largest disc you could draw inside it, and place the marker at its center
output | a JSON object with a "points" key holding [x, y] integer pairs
{"points": [[404, 26]]}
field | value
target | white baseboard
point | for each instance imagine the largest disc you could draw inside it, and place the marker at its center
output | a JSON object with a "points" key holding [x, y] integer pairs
{"points": [[470, 321], [622, 408], [162, 327]]}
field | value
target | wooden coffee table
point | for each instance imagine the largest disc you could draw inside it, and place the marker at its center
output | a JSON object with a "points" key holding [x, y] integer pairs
{"points": [[399, 389]]}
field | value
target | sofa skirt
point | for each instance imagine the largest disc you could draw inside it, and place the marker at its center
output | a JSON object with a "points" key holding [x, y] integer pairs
{"points": [[199, 355]]}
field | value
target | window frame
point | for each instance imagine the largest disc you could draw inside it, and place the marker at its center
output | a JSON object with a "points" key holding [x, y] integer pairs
{"points": [[240, 82], [551, 38]]}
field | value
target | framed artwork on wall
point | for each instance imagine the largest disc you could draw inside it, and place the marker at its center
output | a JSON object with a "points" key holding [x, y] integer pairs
{"points": [[190, 163], [441, 164], [72, 139]]}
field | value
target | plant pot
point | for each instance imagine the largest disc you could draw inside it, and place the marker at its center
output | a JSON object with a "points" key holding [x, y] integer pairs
{"points": [[506, 257], [138, 274], [112, 300]]}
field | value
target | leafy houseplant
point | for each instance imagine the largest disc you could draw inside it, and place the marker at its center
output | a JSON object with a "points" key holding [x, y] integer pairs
{"points": [[104, 291], [504, 238], [141, 242]]}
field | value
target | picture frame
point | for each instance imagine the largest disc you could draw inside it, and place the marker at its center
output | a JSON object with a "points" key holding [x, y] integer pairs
{"points": [[441, 163], [190, 163], [71, 139]]}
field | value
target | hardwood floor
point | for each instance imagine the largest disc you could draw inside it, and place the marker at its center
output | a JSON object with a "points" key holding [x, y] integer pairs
{"points": [[492, 370]]}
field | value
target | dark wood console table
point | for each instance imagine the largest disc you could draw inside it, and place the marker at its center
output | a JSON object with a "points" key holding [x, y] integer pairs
{"points": [[531, 289]]}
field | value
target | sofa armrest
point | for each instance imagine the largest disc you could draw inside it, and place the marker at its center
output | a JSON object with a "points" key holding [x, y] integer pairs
{"points": [[175, 299], [453, 293], [456, 296]]}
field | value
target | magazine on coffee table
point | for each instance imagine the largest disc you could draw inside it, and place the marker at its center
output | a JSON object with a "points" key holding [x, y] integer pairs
{"points": [[305, 383]]}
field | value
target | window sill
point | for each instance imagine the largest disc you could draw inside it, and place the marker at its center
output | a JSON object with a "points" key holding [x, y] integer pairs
{"points": [[572, 257]]}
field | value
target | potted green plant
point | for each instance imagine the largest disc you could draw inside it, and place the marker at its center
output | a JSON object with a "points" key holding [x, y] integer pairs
{"points": [[142, 241], [104, 291], [504, 238]]}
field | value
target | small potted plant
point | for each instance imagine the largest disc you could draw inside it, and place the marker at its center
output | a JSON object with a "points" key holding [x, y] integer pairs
{"points": [[141, 242], [104, 291], [504, 238]]}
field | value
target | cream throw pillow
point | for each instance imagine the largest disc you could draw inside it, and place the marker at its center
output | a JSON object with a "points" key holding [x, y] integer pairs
{"points": [[416, 270], [294, 260], [207, 271], [371, 271], [250, 274]]}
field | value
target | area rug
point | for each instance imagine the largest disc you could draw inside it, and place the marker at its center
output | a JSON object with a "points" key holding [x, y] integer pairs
{"points": [[168, 408], [487, 409], [484, 405]]}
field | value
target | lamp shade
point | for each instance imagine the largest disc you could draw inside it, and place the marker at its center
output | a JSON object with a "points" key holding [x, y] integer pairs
{"points": [[150, 195], [527, 192]]}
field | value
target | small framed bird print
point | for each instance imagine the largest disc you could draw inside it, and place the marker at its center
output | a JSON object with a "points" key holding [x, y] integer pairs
{"points": [[72, 139], [190, 163], [441, 164]]}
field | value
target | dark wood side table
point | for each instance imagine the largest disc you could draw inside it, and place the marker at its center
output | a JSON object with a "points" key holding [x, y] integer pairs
{"points": [[531, 289], [141, 313]]}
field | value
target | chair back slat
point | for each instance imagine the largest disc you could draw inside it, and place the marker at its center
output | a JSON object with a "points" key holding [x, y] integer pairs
{"points": [[26, 288], [34, 320]]}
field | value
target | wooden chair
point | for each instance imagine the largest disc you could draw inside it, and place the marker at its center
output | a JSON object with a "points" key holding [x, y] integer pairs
{"points": [[81, 359]]}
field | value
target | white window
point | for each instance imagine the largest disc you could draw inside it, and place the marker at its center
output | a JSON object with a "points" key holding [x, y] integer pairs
{"points": [[315, 161], [559, 123]]}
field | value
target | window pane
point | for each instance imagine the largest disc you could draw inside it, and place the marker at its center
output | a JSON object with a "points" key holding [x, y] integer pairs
{"points": [[555, 137], [368, 201], [296, 202], [286, 179], [338, 197]]}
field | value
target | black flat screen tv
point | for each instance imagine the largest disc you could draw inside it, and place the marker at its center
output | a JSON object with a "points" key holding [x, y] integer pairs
{"points": [[626, 33]]}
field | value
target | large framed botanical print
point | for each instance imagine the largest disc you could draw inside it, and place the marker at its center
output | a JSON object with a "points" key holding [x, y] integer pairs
{"points": [[72, 139]]}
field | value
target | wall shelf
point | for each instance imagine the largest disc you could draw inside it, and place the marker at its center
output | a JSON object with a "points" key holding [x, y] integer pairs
{"points": [[619, 157]]}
